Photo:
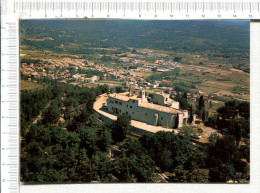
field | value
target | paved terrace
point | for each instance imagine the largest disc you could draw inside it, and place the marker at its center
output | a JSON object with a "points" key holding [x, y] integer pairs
{"points": [[137, 124]]}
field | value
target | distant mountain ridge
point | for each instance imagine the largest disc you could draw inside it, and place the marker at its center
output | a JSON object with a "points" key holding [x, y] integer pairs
{"points": [[229, 39], [224, 32]]}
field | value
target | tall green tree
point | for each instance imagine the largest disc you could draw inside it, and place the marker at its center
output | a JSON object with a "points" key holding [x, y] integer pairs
{"points": [[201, 103], [185, 95], [199, 175], [176, 123], [101, 167], [183, 101], [51, 115], [120, 128], [203, 117], [105, 140], [190, 120], [200, 106], [177, 150], [140, 166], [119, 89], [225, 160]]}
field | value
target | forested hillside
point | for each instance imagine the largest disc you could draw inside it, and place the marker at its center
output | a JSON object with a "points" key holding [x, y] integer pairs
{"points": [[64, 140]]}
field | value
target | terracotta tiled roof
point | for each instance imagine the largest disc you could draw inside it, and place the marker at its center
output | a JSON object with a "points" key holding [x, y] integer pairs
{"points": [[160, 108], [123, 96]]}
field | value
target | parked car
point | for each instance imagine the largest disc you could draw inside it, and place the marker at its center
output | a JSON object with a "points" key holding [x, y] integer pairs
{"points": [[105, 107], [195, 136]]}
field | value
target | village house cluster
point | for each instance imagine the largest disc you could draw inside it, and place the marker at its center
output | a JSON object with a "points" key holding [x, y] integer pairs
{"points": [[72, 70], [65, 69]]}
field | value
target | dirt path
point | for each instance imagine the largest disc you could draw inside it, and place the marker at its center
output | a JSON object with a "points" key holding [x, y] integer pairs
{"points": [[40, 115], [207, 131]]}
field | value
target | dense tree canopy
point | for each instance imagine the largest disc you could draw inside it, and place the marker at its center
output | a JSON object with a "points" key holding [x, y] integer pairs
{"points": [[120, 128], [225, 160], [65, 140], [167, 149], [183, 101], [233, 119]]}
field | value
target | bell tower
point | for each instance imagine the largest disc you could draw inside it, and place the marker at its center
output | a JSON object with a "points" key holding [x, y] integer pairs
{"points": [[143, 98], [130, 90]]}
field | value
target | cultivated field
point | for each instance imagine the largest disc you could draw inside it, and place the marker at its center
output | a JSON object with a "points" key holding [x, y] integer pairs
{"points": [[27, 85]]}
